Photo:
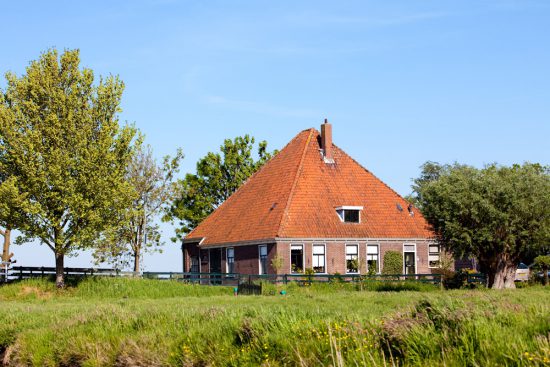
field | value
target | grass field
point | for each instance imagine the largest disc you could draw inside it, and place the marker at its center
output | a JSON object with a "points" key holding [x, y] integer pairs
{"points": [[126, 322]]}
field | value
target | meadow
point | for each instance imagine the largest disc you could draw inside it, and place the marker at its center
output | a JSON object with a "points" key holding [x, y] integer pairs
{"points": [[137, 322]]}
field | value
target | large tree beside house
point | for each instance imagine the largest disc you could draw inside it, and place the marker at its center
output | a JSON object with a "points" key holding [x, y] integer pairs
{"points": [[219, 174], [66, 152], [500, 215], [137, 231]]}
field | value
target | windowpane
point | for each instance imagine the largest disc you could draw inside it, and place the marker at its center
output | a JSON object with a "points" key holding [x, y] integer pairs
{"points": [[318, 260], [433, 256], [296, 258], [351, 249], [263, 259], [409, 248], [372, 258], [372, 249], [194, 264], [319, 249], [352, 259], [351, 216], [230, 260]]}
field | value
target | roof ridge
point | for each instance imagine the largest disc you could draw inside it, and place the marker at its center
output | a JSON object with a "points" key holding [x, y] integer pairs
{"points": [[295, 181]]}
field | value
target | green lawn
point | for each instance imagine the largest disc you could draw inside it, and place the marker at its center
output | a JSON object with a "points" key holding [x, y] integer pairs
{"points": [[118, 322]]}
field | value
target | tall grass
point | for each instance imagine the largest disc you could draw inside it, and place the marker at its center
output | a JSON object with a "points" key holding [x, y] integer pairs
{"points": [[106, 287], [126, 322]]}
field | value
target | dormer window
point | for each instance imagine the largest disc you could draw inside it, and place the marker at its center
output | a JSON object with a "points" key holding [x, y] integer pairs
{"points": [[349, 214]]}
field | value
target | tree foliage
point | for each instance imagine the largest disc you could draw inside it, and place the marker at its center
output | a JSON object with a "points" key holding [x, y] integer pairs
{"points": [[137, 230], [393, 263], [65, 152], [218, 176], [542, 263], [497, 214]]}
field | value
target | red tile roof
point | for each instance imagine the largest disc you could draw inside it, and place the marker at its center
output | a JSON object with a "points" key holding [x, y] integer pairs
{"points": [[295, 194]]}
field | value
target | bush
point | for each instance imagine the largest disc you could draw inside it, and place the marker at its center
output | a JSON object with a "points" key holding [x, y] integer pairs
{"points": [[393, 263]]}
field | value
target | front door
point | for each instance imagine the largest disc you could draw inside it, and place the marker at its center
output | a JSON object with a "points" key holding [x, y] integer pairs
{"points": [[409, 260]]}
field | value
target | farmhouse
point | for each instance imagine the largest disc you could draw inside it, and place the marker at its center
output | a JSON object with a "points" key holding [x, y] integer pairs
{"points": [[311, 206]]}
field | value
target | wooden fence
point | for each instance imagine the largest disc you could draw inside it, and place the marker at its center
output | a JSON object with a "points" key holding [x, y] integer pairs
{"points": [[235, 279]]}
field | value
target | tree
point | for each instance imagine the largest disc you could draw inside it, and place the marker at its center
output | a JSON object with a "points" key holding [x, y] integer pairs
{"points": [[497, 214], [218, 176], [66, 153], [542, 262], [137, 231]]}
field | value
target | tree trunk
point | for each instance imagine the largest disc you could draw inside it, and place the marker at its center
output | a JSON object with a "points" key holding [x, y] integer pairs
{"points": [[6, 251], [136, 262], [545, 276], [504, 273], [59, 270]]}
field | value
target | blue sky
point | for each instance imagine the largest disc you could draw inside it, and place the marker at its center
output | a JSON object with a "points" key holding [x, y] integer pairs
{"points": [[402, 82]]}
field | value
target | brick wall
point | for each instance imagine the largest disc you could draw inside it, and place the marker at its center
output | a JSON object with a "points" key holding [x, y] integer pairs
{"points": [[247, 257], [335, 254]]}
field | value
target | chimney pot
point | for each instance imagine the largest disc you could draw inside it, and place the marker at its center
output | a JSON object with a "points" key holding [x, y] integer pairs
{"points": [[326, 141]]}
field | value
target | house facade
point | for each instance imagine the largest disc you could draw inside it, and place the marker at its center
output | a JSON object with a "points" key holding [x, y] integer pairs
{"points": [[311, 207]]}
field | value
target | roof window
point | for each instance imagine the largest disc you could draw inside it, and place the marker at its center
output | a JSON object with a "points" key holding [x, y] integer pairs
{"points": [[349, 214]]}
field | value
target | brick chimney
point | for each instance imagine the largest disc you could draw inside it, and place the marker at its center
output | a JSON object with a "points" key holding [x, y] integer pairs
{"points": [[326, 141]]}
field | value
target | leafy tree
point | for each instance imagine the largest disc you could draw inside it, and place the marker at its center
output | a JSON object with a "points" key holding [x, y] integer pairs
{"points": [[65, 152], [137, 231], [393, 263], [430, 172], [497, 214], [542, 262], [218, 176]]}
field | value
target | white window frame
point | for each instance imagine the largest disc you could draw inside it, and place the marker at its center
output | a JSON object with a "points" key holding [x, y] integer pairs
{"points": [[290, 257], [415, 259], [227, 259], [260, 259], [438, 255], [377, 256], [341, 209], [346, 258], [324, 256]]}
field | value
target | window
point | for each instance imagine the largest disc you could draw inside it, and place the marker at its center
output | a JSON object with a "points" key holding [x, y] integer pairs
{"points": [[263, 259], [373, 258], [409, 258], [349, 214], [433, 255], [194, 264], [352, 259], [296, 258], [230, 260], [319, 259]]}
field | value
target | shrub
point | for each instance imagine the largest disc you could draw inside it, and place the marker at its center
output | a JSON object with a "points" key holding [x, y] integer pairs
{"points": [[393, 263], [337, 278]]}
